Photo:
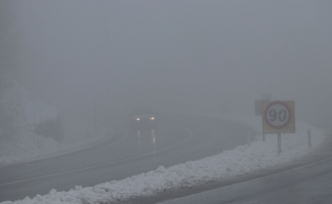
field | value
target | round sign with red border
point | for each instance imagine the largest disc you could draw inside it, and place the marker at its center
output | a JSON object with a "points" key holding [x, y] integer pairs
{"points": [[277, 114]]}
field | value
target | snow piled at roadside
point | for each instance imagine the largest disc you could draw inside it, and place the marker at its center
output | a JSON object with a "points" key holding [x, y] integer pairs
{"points": [[21, 113], [20, 106], [242, 160], [39, 147]]}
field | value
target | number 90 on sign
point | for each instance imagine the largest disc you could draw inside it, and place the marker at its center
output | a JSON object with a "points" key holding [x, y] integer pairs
{"points": [[277, 114]]}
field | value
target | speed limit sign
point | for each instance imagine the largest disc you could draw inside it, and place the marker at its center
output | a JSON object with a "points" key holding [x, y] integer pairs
{"points": [[278, 117]]}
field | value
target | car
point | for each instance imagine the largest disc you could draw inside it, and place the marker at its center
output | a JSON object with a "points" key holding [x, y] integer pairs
{"points": [[142, 119]]}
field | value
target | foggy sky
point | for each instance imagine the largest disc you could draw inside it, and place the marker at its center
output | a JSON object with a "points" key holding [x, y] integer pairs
{"points": [[189, 55]]}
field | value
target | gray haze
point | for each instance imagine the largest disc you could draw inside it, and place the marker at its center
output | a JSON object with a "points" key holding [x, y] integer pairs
{"points": [[190, 56]]}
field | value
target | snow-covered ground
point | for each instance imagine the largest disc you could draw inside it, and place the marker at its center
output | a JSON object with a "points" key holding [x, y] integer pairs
{"points": [[43, 148], [21, 113], [242, 160]]}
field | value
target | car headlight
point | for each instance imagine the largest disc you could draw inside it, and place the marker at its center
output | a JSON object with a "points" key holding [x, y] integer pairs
{"points": [[152, 118], [138, 119]]}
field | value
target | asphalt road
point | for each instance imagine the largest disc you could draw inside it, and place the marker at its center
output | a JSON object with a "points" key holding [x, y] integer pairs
{"points": [[177, 139]]}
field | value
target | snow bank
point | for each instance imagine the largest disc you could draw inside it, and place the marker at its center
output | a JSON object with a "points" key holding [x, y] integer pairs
{"points": [[16, 101], [226, 165], [21, 115], [42, 148]]}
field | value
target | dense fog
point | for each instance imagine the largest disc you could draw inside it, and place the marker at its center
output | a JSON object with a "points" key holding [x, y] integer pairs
{"points": [[71, 71], [190, 56]]}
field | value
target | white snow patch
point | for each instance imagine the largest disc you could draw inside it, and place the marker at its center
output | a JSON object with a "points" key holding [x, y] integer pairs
{"points": [[17, 101], [24, 113]]}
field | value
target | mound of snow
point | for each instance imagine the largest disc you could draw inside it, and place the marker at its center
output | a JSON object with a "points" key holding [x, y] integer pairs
{"points": [[20, 115], [30, 129]]}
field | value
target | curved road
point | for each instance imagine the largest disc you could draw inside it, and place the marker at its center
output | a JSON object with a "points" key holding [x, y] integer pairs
{"points": [[177, 139]]}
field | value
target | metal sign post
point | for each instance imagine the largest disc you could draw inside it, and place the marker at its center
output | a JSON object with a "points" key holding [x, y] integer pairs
{"points": [[279, 143], [265, 98], [259, 109], [309, 137]]}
